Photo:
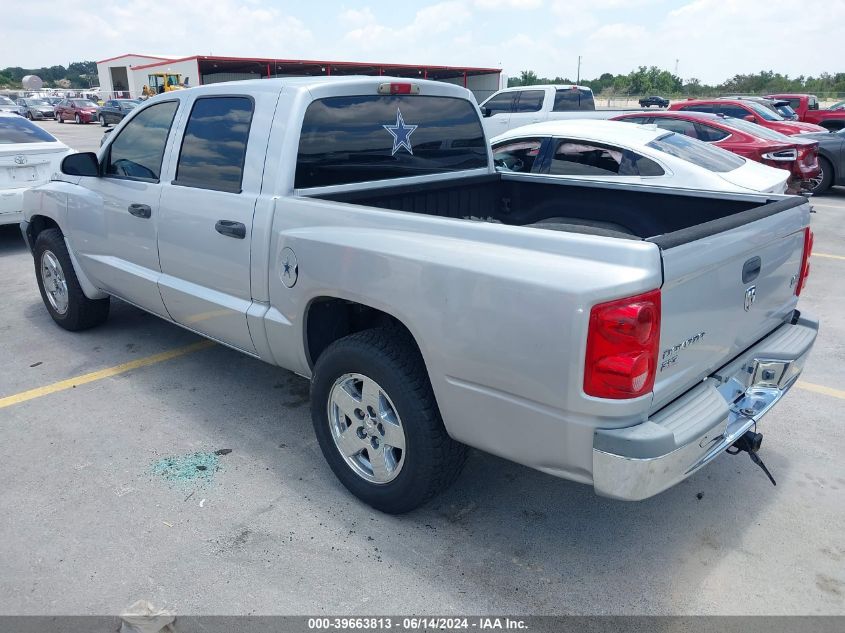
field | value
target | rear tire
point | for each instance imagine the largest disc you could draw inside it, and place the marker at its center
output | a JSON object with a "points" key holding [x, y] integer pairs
{"points": [[59, 118], [59, 286], [429, 460], [825, 178]]}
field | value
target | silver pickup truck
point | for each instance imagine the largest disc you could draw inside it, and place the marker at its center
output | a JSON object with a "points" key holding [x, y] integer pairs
{"points": [[354, 231]]}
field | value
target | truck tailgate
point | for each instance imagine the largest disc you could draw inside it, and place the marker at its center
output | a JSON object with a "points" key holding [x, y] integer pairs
{"points": [[725, 290]]}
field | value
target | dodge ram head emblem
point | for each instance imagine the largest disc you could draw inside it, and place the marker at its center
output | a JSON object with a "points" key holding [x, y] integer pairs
{"points": [[20, 160], [750, 296], [289, 269]]}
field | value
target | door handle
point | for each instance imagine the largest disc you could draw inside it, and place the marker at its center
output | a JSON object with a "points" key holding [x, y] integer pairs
{"points": [[231, 229], [140, 210]]}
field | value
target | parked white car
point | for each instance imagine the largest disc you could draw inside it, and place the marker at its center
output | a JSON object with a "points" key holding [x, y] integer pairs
{"points": [[29, 156], [628, 153]]}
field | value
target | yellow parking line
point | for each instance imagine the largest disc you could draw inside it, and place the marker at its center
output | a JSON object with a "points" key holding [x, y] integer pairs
{"points": [[70, 383], [827, 391], [826, 255]]}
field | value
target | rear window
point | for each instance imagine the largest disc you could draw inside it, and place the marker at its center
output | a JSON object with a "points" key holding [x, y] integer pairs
{"points": [[708, 156], [569, 99], [19, 130], [363, 138]]}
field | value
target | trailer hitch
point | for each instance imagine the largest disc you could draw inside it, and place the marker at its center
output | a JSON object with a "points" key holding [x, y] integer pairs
{"points": [[750, 442]]}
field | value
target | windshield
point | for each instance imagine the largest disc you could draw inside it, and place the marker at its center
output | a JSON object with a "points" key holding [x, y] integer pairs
{"points": [[128, 104], [786, 111], [19, 130], [6, 101], [36, 102], [698, 153], [763, 111], [84, 103]]}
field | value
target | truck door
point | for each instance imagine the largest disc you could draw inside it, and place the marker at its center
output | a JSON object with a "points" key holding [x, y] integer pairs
{"points": [[205, 232], [499, 108], [115, 234], [528, 108]]}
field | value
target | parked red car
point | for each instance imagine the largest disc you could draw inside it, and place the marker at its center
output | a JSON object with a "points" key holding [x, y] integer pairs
{"points": [[755, 142], [807, 109], [748, 110], [79, 110]]}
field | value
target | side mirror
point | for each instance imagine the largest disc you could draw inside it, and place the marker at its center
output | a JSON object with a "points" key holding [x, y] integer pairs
{"points": [[485, 112], [82, 164], [750, 118]]}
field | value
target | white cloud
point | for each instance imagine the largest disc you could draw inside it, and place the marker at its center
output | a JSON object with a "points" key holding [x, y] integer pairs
{"points": [[713, 39], [507, 4]]}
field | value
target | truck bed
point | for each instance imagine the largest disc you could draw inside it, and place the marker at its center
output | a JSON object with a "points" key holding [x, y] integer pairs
{"points": [[633, 213]]}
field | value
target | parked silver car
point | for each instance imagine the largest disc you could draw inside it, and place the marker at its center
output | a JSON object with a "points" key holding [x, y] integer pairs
{"points": [[7, 105], [37, 109]]}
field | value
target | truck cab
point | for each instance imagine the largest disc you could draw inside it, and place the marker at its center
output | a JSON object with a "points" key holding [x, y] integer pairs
{"points": [[523, 105]]}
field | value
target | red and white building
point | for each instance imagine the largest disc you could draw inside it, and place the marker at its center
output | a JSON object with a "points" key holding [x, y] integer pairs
{"points": [[128, 74]]}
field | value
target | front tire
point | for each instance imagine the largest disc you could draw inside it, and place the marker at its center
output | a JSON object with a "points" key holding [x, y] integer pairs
{"points": [[103, 121], [822, 182], [59, 286], [78, 119], [378, 424], [59, 118]]}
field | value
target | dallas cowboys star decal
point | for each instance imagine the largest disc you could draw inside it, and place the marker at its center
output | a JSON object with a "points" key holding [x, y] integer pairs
{"points": [[401, 134]]}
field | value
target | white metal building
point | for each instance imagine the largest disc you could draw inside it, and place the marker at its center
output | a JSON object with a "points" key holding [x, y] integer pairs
{"points": [[126, 75]]}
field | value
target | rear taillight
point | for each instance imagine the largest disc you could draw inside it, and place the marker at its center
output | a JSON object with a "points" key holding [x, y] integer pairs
{"points": [[805, 262], [782, 155], [622, 346]]}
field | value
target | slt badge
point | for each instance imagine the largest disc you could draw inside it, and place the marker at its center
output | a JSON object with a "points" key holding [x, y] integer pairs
{"points": [[20, 159], [289, 270]]}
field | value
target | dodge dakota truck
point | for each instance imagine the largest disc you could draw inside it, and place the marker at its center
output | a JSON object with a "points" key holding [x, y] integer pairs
{"points": [[354, 230]]}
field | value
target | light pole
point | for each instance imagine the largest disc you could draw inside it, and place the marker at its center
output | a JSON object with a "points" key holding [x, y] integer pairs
{"points": [[578, 77]]}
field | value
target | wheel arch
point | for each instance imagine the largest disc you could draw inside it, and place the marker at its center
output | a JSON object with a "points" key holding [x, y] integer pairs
{"points": [[329, 318]]}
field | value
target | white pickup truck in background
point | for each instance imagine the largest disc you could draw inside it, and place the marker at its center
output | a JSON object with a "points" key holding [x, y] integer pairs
{"points": [[354, 230], [523, 105]]}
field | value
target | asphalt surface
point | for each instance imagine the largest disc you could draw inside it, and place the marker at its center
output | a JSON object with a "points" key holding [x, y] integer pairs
{"points": [[90, 524]]}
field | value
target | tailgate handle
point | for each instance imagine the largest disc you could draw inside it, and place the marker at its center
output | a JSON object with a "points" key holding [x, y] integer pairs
{"points": [[751, 269]]}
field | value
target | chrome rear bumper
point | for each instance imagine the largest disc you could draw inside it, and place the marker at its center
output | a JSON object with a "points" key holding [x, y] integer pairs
{"points": [[641, 461]]}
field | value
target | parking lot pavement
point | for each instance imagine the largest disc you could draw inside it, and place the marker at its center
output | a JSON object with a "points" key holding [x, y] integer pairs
{"points": [[83, 138], [91, 523]]}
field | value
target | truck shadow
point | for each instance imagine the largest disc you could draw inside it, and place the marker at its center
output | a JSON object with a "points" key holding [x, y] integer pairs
{"points": [[11, 240], [519, 536]]}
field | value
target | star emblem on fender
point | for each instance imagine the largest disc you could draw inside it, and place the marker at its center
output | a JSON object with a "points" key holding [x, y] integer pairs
{"points": [[401, 134]]}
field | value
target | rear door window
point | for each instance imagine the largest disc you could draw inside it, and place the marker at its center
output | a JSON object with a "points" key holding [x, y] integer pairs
{"points": [[681, 126], [707, 156], [214, 144], [710, 134], [371, 137], [530, 101], [583, 158], [698, 107], [735, 111], [138, 150]]}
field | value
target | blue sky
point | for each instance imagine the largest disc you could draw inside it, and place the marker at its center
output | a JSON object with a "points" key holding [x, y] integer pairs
{"points": [[711, 39]]}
